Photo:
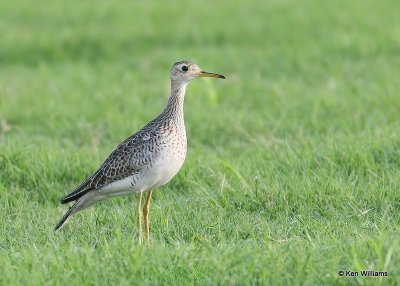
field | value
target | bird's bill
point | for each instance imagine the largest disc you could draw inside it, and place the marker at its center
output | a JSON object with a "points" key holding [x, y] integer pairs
{"points": [[210, 74]]}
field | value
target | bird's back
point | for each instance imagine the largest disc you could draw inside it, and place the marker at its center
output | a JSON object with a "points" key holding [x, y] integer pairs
{"points": [[147, 159]]}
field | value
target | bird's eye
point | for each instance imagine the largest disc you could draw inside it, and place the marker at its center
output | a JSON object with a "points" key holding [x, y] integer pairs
{"points": [[185, 68]]}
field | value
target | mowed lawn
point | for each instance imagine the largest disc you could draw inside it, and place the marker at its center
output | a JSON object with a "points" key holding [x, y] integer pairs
{"points": [[293, 166]]}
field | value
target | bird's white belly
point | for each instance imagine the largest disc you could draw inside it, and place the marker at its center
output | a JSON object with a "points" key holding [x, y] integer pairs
{"points": [[162, 171], [156, 175]]}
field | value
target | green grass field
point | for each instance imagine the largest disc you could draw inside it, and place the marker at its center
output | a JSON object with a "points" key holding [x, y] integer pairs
{"points": [[293, 167]]}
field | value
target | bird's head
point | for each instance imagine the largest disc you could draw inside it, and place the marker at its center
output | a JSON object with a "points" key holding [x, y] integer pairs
{"points": [[185, 71]]}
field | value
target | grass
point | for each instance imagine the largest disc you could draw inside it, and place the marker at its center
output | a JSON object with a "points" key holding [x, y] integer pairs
{"points": [[293, 168]]}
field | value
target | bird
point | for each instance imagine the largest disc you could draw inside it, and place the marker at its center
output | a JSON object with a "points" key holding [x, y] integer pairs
{"points": [[146, 160]]}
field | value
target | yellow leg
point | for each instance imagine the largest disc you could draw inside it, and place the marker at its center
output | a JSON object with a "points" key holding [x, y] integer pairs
{"points": [[146, 214], [139, 217]]}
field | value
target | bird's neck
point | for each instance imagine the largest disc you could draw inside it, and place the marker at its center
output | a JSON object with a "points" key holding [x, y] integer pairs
{"points": [[175, 102]]}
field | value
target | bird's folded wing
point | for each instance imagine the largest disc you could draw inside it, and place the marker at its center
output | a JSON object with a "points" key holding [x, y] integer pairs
{"points": [[126, 160]]}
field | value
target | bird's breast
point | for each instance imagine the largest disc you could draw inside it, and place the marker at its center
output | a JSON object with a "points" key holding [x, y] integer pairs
{"points": [[171, 157]]}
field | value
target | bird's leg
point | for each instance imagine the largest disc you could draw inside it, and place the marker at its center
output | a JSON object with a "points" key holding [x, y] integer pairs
{"points": [[146, 214], [139, 216]]}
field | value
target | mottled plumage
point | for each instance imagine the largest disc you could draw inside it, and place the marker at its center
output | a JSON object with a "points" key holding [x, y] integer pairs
{"points": [[147, 159]]}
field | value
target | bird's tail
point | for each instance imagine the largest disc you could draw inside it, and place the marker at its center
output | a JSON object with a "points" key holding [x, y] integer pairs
{"points": [[65, 217]]}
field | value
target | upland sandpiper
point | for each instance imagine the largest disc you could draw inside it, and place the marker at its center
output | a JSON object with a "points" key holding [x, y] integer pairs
{"points": [[146, 160]]}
